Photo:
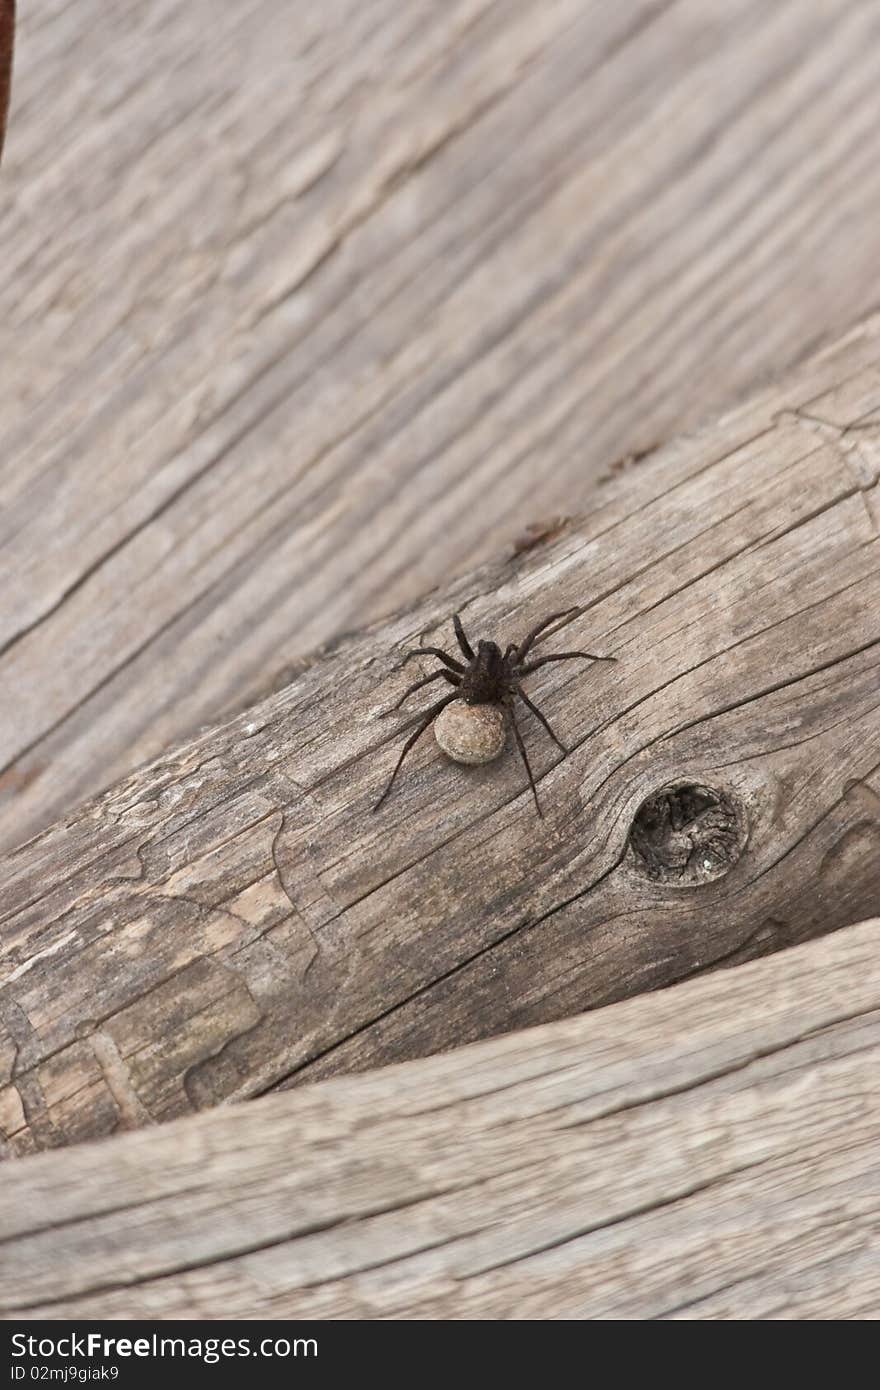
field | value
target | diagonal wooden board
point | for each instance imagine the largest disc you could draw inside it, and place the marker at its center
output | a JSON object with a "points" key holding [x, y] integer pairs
{"points": [[711, 1151], [305, 308], [234, 917]]}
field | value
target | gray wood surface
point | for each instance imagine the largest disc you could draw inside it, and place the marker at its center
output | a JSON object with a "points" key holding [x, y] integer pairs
{"points": [[304, 308], [711, 1151], [234, 917]]}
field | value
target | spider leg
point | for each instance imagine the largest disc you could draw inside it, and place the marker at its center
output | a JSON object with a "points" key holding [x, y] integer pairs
{"points": [[462, 638], [428, 718], [426, 680], [538, 715], [526, 646], [447, 660], [524, 755], [559, 656]]}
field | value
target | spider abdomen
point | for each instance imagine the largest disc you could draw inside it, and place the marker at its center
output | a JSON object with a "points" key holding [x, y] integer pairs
{"points": [[484, 681]]}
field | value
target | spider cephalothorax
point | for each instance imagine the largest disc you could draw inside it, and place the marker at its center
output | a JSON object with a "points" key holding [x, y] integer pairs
{"points": [[488, 677]]}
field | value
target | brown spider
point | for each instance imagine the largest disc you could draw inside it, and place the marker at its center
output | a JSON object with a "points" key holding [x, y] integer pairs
{"points": [[489, 678]]}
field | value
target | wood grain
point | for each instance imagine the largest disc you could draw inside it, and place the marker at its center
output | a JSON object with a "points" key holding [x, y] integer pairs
{"points": [[234, 917], [709, 1152], [299, 318]]}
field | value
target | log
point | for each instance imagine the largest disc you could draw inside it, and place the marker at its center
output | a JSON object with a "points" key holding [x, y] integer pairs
{"points": [[712, 1151], [235, 917], [303, 312]]}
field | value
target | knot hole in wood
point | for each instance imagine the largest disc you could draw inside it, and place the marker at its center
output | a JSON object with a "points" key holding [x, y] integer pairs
{"points": [[687, 834]]}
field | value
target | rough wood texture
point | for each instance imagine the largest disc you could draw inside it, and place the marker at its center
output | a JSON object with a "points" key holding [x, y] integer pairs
{"points": [[712, 1151], [298, 315], [234, 917]]}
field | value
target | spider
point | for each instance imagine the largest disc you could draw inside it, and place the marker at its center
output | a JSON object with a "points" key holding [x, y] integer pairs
{"points": [[488, 677]]}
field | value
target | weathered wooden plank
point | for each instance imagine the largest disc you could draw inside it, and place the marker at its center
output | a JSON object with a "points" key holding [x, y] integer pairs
{"points": [[300, 315], [235, 917], [712, 1151]]}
